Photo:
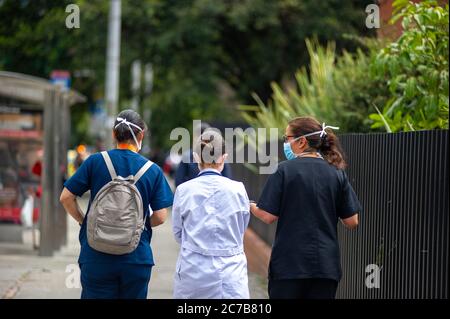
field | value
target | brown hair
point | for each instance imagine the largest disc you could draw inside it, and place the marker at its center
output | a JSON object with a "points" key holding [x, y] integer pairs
{"points": [[328, 144]]}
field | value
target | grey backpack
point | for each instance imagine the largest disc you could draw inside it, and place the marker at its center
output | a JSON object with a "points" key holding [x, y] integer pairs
{"points": [[116, 217]]}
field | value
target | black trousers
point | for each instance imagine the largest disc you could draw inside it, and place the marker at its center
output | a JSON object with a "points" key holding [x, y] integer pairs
{"points": [[315, 288]]}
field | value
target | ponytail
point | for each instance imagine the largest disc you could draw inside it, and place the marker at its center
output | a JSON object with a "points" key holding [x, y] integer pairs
{"points": [[327, 144], [332, 151]]}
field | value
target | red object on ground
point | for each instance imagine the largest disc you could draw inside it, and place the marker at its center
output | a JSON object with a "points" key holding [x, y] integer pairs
{"points": [[12, 214]]}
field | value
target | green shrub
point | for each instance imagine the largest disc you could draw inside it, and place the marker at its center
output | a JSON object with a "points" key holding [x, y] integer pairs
{"points": [[336, 90], [415, 69]]}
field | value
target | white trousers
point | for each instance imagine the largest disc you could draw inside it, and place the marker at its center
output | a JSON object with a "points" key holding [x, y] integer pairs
{"points": [[210, 277]]}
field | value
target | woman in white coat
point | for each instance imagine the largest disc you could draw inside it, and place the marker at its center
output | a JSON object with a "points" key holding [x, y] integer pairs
{"points": [[209, 217]]}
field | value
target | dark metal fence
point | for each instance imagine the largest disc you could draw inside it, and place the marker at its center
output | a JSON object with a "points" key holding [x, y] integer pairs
{"points": [[402, 181]]}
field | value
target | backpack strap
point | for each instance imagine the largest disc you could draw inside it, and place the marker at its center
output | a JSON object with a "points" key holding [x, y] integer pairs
{"points": [[142, 171], [109, 164]]}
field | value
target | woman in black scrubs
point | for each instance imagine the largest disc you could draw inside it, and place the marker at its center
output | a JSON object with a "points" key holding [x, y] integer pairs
{"points": [[308, 194]]}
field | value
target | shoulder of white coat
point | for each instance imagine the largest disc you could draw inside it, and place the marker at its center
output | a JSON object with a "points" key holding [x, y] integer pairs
{"points": [[184, 187], [235, 186]]}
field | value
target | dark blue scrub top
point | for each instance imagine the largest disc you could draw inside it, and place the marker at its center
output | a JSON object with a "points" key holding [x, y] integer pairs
{"points": [[153, 187]]}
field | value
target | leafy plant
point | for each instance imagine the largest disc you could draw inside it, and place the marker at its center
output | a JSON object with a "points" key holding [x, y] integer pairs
{"points": [[415, 68], [336, 90]]}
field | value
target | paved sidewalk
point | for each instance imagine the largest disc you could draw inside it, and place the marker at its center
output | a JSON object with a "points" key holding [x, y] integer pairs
{"points": [[23, 274]]}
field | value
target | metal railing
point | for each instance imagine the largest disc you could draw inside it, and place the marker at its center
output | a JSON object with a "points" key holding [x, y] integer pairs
{"points": [[402, 182]]}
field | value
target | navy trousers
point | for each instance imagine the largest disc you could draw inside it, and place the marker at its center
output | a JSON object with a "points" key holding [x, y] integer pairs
{"points": [[114, 281], [302, 288]]}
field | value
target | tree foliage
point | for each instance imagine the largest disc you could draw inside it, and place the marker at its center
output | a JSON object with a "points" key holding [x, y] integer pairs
{"points": [[208, 56], [415, 68], [405, 81], [335, 89]]}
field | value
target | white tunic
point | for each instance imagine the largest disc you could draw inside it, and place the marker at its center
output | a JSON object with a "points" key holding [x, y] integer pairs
{"points": [[209, 217]]}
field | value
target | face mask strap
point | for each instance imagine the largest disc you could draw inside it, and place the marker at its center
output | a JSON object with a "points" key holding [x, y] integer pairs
{"points": [[129, 124], [323, 132]]}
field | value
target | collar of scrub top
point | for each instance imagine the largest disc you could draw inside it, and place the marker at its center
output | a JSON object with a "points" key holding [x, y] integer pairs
{"points": [[209, 171]]}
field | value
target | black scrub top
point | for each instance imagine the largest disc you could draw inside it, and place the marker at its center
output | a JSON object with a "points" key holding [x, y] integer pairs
{"points": [[309, 196]]}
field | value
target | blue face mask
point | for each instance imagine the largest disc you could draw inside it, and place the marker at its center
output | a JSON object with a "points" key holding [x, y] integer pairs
{"points": [[287, 145], [288, 151]]}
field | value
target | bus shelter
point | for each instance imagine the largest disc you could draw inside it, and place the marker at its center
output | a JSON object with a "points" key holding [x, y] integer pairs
{"points": [[34, 137]]}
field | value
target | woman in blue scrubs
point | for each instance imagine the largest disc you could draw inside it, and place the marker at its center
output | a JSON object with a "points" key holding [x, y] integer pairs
{"points": [[125, 276], [308, 194]]}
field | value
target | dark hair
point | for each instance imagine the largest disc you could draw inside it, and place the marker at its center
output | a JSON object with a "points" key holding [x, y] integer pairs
{"points": [[122, 132], [328, 144], [210, 146]]}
